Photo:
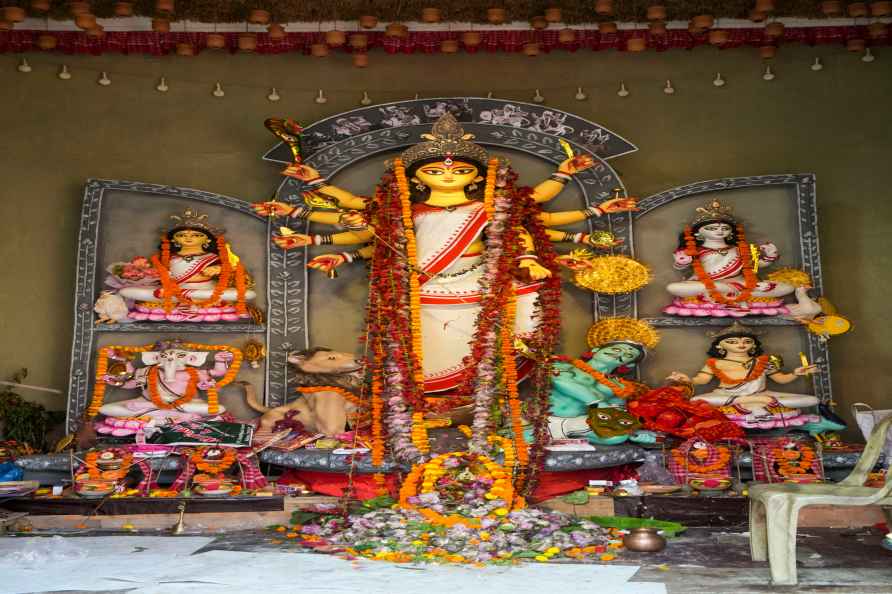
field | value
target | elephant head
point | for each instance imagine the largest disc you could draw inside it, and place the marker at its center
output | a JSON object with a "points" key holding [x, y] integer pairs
{"points": [[172, 360]]}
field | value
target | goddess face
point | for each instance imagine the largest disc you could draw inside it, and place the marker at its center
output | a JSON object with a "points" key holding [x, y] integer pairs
{"points": [[191, 238], [737, 344], [616, 354], [714, 231], [440, 176]]}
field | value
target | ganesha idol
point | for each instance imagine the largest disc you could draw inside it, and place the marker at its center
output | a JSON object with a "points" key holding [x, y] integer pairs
{"points": [[725, 267], [172, 375], [195, 277]]}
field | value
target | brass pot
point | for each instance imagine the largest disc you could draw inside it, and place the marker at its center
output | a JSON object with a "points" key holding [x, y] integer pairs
{"points": [[644, 540]]}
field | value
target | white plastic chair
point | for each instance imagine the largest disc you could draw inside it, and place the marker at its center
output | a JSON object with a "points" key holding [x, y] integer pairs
{"points": [[774, 508]]}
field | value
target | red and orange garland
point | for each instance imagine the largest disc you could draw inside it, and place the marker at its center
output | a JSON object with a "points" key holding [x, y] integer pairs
{"points": [[378, 445], [624, 390], [743, 252], [171, 290], [152, 376], [794, 460], [686, 460], [91, 465], [214, 467], [489, 190], [753, 374], [509, 376]]}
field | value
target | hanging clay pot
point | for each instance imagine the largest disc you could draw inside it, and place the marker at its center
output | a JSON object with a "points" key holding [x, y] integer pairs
{"points": [[604, 7], [215, 41], [553, 14], [5, 25], [471, 38], [703, 21], [335, 38], [607, 28], [76, 8], [258, 16], [360, 60], [765, 5], [449, 46], [496, 16], [13, 14], [430, 15], [538, 22], [855, 45], [718, 36], [96, 32], [636, 44], [123, 9], [160, 25], [247, 42], [857, 10], [566, 36], [774, 29], [657, 28], [877, 30], [40, 5], [185, 49], [368, 21], [656, 12], [84, 21], [47, 42], [831, 8], [766, 52], [757, 16], [531, 49], [165, 6], [359, 41], [318, 50], [276, 31], [881, 8], [397, 30]]}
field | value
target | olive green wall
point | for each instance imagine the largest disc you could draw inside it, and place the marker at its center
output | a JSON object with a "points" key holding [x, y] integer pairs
{"points": [[835, 123]]}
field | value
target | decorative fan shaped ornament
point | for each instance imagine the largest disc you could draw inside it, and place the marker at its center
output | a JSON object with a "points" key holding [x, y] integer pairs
{"points": [[610, 330], [606, 274]]}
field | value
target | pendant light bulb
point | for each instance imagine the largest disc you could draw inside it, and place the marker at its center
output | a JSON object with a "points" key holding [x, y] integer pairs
{"points": [[162, 87], [366, 100], [24, 66], [669, 89], [868, 56], [218, 90], [104, 80], [623, 91], [817, 65], [769, 73], [273, 95], [64, 73], [718, 81], [580, 94], [321, 98], [538, 98]]}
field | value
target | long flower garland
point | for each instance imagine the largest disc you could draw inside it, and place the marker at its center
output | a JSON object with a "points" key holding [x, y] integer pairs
{"points": [[155, 395], [199, 459], [755, 373], [685, 460], [743, 252], [509, 376], [624, 390]]}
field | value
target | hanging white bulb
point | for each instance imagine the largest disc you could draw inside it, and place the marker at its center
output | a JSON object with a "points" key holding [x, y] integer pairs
{"points": [[162, 87], [321, 98], [104, 80], [868, 56], [273, 95], [366, 100], [817, 65], [538, 98], [769, 73], [64, 73], [623, 91], [718, 81], [580, 94], [24, 66], [218, 90], [669, 89]]}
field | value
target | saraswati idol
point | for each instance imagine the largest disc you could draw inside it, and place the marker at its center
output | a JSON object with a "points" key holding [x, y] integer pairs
{"points": [[195, 277]]}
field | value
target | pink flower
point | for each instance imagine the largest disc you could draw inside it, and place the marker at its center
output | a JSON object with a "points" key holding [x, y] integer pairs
{"points": [[141, 262]]}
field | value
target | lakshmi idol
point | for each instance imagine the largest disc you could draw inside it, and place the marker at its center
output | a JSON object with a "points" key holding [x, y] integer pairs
{"points": [[195, 278], [724, 280], [445, 230]]}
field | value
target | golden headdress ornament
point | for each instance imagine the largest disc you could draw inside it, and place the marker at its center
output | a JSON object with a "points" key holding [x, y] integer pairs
{"points": [[714, 212], [627, 330], [735, 329], [190, 219], [447, 140]]}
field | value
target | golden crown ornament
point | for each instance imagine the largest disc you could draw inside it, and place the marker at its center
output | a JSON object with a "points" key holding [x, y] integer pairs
{"points": [[714, 212], [626, 330], [190, 219], [446, 141]]}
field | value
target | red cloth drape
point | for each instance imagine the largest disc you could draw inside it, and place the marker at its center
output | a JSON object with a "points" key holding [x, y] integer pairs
{"points": [[149, 42]]}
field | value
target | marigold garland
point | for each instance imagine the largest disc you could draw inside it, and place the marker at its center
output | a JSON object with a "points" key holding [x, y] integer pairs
{"points": [[624, 390], [213, 466], [794, 461], [509, 375], [489, 190], [683, 459], [753, 374], [743, 252], [91, 465], [419, 433]]}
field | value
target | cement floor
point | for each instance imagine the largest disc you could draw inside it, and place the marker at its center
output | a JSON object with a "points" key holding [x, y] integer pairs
{"points": [[702, 560]]}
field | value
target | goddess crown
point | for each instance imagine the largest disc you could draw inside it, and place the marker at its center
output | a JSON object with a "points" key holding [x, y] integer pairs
{"points": [[627, 330], [714, 212], [447, 140], [192, 220]]}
